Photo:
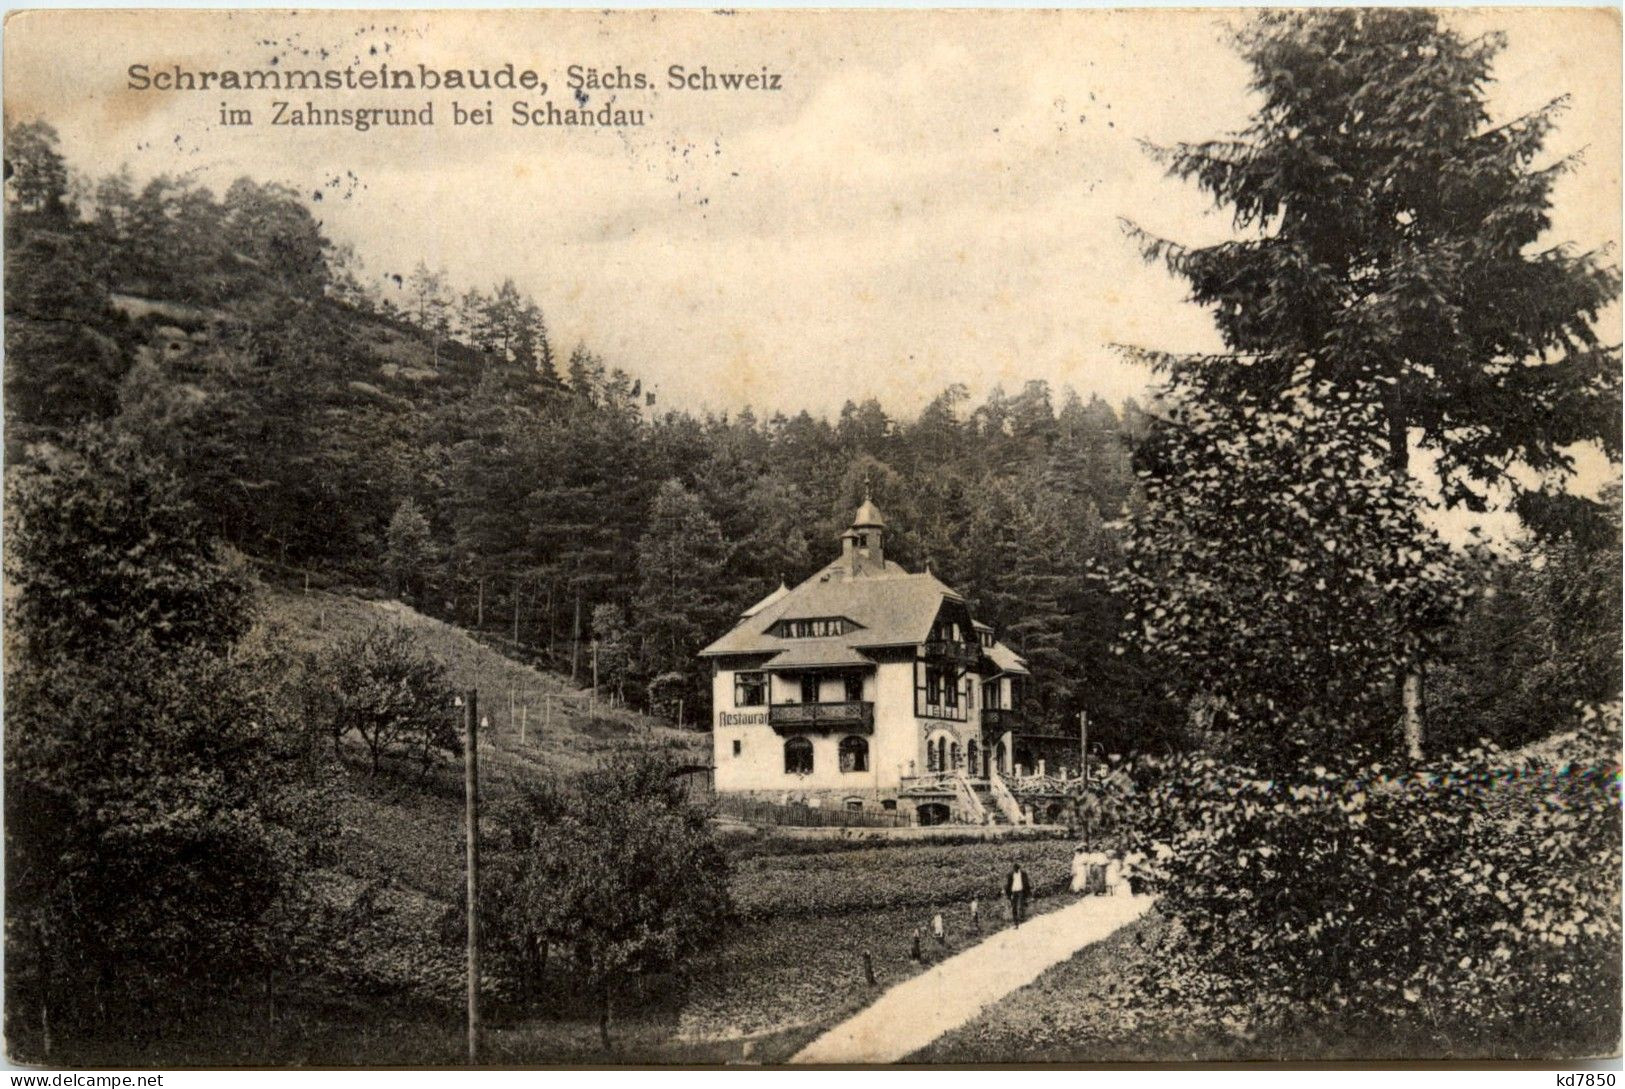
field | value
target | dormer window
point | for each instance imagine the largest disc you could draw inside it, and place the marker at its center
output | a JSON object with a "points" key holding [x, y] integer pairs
{"points": [[818, 627]]}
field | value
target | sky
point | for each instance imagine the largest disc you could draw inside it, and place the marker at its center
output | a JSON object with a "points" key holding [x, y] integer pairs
{"points": [[932, 197]]}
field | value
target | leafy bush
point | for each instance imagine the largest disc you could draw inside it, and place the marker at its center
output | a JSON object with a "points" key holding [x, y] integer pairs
{"points": [[384, 689], [1457, 902], [163, 794], [619, 872]]}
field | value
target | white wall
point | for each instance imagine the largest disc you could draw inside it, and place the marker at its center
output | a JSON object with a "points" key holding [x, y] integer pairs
{"points": [[897, 742], [760, 763]]}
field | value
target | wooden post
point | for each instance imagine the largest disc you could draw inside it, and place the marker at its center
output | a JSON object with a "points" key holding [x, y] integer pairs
{"points": [[471, 791], [524, 713], [679, 712], [868, 968]]}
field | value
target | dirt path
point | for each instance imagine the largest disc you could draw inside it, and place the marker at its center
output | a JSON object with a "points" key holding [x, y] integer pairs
{"points": [[917, 1011]]}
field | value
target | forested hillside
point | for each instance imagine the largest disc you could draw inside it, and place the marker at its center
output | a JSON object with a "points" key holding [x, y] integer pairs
{"points": [[431, 441]]}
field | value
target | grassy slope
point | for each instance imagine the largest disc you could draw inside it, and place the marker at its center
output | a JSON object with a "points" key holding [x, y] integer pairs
{"points": [[563, 729], [775, 981]]}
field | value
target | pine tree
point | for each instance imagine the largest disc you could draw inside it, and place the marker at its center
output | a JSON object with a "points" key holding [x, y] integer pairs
{"points": [[679, 606], [408, 548], [1393, 255]]}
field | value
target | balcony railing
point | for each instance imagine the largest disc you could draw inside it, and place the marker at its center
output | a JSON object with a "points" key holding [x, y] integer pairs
{"points": [[996, 720], [965, 655], [847, 715]]}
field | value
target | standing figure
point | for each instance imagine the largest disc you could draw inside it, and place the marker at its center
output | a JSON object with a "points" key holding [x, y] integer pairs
{"points": [[976, 916], [1080, 868], [1016, 887]]}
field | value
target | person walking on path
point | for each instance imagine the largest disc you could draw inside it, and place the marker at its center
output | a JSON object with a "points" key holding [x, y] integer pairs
{"points": [[1016, 887]]}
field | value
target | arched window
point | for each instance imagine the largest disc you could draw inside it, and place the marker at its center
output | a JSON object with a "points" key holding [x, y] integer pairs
{"points": [[798, 756], [854, 754], [953, 756]]}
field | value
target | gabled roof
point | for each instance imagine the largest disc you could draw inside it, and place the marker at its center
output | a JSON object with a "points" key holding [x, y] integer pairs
{"points": [[894, 608], [765, 602], [1006, 659]]}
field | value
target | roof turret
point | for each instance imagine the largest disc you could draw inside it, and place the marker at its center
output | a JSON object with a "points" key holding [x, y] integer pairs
{"points": [[868, 516]]}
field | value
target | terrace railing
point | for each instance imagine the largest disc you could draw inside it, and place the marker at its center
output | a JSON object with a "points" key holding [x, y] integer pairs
{"points": [[932, 782]]}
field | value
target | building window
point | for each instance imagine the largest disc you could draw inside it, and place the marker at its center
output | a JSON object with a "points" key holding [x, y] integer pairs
{"points": [[813, 628], [798, 756], [854, 754], [750, 689], [854, 805], [854, 687], [739, 746], [933, 686], [889, 805], [990, 695], [950, 693], [809, 688], [953, 756]]}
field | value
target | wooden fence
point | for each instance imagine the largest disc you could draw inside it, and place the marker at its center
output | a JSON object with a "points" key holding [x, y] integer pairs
{"points": [[806, 816]]}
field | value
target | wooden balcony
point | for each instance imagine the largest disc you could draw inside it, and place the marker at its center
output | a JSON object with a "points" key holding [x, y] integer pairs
{"points": [[996, 720], [854, 716], [963, 655]]}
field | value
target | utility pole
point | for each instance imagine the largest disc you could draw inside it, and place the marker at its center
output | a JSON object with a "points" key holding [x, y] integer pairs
{"points": [[1083, 740], [471, 790]]}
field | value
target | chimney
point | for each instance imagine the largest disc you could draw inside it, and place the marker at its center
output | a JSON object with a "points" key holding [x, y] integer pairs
{"points": [[849, 552]]}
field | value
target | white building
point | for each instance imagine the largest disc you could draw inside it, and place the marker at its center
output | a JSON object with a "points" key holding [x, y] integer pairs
{"points": [[869, 687]]}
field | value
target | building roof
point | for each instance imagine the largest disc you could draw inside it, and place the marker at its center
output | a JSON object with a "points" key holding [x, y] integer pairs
{"points": [[890, 607], [1006, 659], [765, 602], [806, 653]]}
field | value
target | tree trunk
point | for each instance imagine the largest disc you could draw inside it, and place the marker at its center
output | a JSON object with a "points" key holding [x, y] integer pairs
{"points": [[575, 643], [603, 1020], [1410, 700], [552, 628], [479, 606]]}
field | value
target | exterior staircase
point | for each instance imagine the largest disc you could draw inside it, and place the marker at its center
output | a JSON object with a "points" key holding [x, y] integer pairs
{"points": [[1004, 802], [991, 812], [971, 809]]}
